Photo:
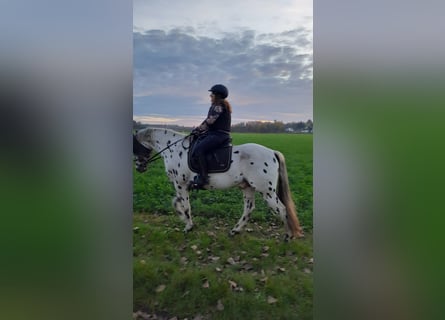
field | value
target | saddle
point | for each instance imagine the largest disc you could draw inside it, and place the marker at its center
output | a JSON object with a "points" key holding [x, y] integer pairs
{"points": [[218, 160]]}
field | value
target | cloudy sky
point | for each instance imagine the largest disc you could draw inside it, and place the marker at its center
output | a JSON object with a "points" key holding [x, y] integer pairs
{"points": [[261, 50]]}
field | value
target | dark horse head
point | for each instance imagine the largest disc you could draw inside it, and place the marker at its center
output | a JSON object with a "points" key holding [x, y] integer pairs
{"points": [[141, 155]]}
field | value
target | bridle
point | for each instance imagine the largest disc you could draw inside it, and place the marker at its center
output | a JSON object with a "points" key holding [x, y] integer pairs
{"points": [[158, 155]]}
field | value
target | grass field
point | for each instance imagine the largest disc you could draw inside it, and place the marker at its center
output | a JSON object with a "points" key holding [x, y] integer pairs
{"points": [[206, 274]]}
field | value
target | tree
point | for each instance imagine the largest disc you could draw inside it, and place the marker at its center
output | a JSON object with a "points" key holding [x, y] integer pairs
{"points": [[309, 126]]}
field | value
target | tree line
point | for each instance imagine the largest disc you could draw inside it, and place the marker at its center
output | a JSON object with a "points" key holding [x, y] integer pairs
{"points": [[250, 126], [274, 127]]}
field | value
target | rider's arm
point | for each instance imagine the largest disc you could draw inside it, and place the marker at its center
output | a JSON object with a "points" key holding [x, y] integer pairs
{"points": [[214, 113]]}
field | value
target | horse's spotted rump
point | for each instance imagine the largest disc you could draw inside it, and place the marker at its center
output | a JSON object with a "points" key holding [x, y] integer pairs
{"points": [[236, 151], [251, 163], [265, 163], [264, 170], [180, 154]]}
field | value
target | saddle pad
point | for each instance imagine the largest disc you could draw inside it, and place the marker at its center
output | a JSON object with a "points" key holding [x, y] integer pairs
{"points": [[218, 160]]}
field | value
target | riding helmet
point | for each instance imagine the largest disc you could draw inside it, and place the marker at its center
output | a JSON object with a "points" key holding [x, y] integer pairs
{"points": [[220, 90]]}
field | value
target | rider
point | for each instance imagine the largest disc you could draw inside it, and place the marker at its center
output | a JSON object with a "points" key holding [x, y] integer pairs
{"points": [[213, 131]]}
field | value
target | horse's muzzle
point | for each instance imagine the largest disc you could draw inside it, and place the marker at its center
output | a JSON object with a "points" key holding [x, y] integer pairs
{"points": [[141, 164]]}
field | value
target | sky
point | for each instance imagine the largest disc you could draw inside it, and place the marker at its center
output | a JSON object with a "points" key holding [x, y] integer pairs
{"points": [[260, 50]]}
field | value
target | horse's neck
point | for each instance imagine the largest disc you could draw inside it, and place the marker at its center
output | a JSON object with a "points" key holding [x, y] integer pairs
{"points": [[164, 138]]}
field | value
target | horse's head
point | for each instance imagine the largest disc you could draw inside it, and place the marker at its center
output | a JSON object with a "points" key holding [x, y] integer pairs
{"points": [[141, 155]]}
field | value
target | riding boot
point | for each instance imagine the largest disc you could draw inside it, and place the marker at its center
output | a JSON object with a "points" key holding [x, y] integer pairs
{"points": [[203, 178]]}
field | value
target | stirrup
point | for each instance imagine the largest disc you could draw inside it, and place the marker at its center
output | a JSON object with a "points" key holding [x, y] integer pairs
{"points": [[198, 183]]}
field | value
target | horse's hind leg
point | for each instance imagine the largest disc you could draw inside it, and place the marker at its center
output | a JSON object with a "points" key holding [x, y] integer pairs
{"points": [[249, 205], [181, 204], [279, 209]]}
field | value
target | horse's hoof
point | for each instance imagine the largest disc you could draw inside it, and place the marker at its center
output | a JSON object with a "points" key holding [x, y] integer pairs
{"points": [[287, 238], [187, 229]]}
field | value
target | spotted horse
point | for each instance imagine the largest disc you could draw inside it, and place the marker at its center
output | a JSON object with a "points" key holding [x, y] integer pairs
{"points": [[254, 168]]}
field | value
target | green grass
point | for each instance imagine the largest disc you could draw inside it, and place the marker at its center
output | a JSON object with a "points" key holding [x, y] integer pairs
{"points": [[172, 270]]}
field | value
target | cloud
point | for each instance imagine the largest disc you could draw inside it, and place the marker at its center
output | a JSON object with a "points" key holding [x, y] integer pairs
{"points": [[173, 70], [212, 18]]}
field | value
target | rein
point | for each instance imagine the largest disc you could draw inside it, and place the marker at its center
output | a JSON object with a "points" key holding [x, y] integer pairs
{"points": [[158, 156]]}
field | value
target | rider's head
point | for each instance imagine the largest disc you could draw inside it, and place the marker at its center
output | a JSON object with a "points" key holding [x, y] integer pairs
{"points": [[219, 91]]}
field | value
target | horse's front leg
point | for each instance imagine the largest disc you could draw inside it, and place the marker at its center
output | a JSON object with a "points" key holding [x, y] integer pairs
{"points": [[181, 204], [249, 205]]}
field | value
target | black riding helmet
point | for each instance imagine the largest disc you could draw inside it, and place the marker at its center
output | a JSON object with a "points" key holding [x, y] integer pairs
{"points": [[219, 89]]}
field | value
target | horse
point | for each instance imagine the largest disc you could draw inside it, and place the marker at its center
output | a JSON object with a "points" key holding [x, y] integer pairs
{"points": [[254, 168]]}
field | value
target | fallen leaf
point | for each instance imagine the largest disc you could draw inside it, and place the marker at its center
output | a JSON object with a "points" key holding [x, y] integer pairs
{"points": [[160, 288], [233, 284], [194, 247], [218, 269], [206, 284], [271, 300], [220, 306], [306, 270], [265, 248], [264, 279], [231, 261], [248, 267], [311, 260], [186, 293], [281, 269]]}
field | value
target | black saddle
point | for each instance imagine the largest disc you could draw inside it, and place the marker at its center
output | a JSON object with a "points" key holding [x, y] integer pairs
{"points": [[218, 160]]}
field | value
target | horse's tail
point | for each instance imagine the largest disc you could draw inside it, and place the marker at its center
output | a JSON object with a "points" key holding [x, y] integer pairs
{"points": [[286, 198]]}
